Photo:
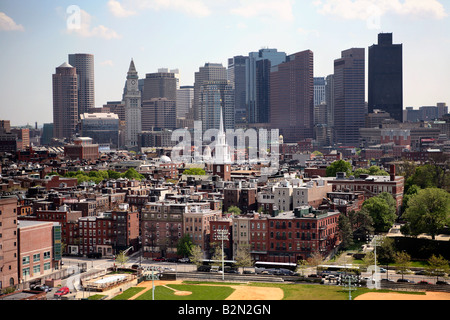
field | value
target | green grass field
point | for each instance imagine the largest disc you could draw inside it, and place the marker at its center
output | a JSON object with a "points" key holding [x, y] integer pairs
{"points": [[222, 291]]}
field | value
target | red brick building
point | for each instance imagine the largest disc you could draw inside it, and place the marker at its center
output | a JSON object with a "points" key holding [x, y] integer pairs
{"points": [[39, 248], [82, 149], [110, 232], [8, 243], [373, 185], [298, 234]]}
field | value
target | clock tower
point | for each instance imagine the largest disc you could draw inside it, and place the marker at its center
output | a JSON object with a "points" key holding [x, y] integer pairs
{"points": [[132, 102]]}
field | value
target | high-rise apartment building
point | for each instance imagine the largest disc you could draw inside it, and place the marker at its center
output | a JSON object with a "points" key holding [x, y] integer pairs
{"points": [[386, 77], [65, 101], [209, 72], [132, 102], [258, 68], [292, 97], [349, 96], [84, 63]]}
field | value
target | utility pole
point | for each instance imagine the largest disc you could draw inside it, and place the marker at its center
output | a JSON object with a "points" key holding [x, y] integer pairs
{"points": [[222, 235]]}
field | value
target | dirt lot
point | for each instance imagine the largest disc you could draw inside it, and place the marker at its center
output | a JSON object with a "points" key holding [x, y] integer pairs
{"points": [[240, 293], [402, 296]]}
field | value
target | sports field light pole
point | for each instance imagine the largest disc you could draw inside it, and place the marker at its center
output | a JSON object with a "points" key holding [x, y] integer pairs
{"points": [[222, 235]]}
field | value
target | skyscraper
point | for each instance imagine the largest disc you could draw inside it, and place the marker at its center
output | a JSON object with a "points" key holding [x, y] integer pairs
{"points": [[132, 102], [217, 97], [209, 72], [65, 101], [292, 97], [258, 79], [185, 98], [237, 77], [349, 96], [84, 63], [160, 85], [386, 77], [158, 113]]}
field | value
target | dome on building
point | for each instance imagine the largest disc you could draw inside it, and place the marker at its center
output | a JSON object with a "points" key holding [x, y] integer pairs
{"points": [[165, 159]]}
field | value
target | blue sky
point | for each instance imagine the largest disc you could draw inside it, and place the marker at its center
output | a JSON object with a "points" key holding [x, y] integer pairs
{"points": [[37, 36]]}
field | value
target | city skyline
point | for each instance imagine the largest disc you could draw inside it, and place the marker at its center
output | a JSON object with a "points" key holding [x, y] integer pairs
{"points": [[176, 35]]}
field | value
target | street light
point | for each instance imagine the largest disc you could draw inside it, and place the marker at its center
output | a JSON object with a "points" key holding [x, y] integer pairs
{"points": [[351, 282], [222, 235]]}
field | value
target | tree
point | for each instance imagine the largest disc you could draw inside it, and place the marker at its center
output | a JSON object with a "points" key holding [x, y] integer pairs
{"points": [[218, 255], [386, 251], [132, 174], [235, 211], [345, 231], [122, 258], [381, 212], [184, 246], [243, 257], [339, 166], [194, 172], [403, 261], [196, 255], [428, 212], [438, 265], [315, 260]]}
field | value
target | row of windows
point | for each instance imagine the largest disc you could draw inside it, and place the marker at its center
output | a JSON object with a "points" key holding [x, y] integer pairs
{"points": [[36, 258]]}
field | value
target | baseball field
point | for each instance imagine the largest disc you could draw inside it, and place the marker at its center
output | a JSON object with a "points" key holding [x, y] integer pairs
{"points": [[184, 290]]}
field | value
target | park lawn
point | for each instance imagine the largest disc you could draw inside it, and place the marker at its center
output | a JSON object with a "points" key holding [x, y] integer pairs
{"points": [[198, 292]]}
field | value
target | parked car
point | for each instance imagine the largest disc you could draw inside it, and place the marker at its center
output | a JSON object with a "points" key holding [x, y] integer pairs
{"points": [[43, 288], [172, 260], [62, 292], [94, 255], [383, 270], [204, 268], [387, 280], [184, 260], [286, 272], [160, 259], [441, 282], [230, 270], [423, 282], [249, 272], [404, 280], [421, 272], [135, 266]]}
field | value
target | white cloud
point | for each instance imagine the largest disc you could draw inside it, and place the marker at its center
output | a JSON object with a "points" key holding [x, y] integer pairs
{"points": [[308, 32], [107, 63], [366, 9], [83, 28], [190, 7], [8, 24], [118, 10], [274, 9]]}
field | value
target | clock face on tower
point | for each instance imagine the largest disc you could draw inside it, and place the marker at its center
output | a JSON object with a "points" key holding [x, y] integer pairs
{"points": [[133, 82]]}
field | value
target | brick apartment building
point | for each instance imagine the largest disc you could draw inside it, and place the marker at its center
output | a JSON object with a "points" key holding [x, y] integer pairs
{"points": [[8, 243], [242, 197], [68, 221], [296, 235], [109, 232], [372, 185]]}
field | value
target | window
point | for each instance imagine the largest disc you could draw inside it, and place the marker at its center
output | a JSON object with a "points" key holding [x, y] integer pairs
{"points": [[36, 257]]}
